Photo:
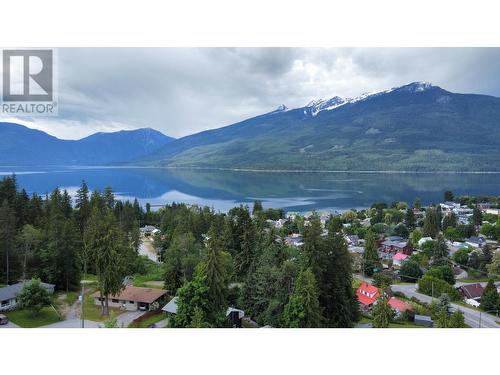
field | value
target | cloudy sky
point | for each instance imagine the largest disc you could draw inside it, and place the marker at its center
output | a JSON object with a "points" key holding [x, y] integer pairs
{"points": [[183, 91]]}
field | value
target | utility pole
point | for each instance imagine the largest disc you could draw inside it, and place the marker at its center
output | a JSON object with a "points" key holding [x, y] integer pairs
{"points": [[83, 296]]}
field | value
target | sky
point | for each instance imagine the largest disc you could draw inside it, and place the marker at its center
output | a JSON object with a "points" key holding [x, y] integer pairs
{"points": [[181, 91]]}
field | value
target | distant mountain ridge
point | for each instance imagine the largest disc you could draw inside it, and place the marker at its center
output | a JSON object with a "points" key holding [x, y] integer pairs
{"points": [[415, 127], [20, 145]]}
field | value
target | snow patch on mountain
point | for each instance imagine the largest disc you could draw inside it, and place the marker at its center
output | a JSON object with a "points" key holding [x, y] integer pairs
{"points": [[319, 105]]}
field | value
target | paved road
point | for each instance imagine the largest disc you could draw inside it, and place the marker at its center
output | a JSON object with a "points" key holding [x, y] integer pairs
{"points": [[471, 316], [73, 323], [146, 248]]}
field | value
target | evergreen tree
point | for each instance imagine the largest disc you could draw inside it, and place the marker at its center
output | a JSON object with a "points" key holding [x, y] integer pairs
{"points": [[431, 225], [450, 221], [337, 299], [313, 247], [448, 196], [477, 217], [106, 244], [410, 219], [382, 313], [439, 251], [490, 300], [371, 260], [302, 310]]}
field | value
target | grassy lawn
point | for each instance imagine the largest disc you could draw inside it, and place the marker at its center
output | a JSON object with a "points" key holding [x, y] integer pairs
{"points": [[26, 319], [366, 320], [93, 312], [147, 322]]}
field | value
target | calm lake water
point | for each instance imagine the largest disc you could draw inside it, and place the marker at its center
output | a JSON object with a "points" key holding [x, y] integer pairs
{"points": [[225, 189]]}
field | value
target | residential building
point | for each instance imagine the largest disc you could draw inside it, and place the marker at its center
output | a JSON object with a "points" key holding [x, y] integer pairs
{"points": [[476, 241], [8, 294], [398, 259], [399, 306], [133, 298], [367, 295], [393, 246], [472, 291]]}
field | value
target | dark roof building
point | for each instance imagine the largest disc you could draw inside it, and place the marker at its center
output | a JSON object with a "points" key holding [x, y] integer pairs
{"points": [[472, 291]]}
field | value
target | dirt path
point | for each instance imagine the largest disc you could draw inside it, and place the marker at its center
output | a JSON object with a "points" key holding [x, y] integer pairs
{"points": [[146, 248]]}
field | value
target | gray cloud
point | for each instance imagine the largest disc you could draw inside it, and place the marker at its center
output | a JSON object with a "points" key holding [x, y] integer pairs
{"points": [[180, 91]]}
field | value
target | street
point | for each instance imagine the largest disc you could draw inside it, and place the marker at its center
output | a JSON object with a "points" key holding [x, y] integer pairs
{"points": [[471, 316]]}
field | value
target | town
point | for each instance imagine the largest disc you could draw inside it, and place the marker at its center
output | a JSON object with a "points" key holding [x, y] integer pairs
{"points": [[94, 261]]}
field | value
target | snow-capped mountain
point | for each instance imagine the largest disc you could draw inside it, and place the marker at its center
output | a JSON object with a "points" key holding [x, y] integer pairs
{"points": [[319, 105]]}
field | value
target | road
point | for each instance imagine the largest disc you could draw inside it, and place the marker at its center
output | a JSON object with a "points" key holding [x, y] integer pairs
{"points": [[146, 248], [471, 316]]}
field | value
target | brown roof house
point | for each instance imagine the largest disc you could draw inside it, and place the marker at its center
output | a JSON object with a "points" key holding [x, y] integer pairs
{"points": [[472, 291], [134, 298]]}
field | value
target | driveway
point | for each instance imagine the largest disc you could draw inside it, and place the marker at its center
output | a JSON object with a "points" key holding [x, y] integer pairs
{"points": [[472, 317], [124, 319], [73, 323], [9, 325]]}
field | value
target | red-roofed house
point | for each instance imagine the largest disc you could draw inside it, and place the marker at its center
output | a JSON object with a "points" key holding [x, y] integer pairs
{"points": [[398, 305], [367, 294], [398, 259]]}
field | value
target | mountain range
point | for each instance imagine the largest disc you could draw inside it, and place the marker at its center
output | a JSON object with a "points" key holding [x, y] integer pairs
{"points": [[415, 127], [20, 145]]}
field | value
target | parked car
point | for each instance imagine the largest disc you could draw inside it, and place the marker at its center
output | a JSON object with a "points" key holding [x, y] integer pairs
{"points": [[3, 319]]}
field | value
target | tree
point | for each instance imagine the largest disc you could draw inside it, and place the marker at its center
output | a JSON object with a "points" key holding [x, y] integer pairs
{"points": [[302, 310], [216, 271], [433, 286], [431, 225], [450, 220], [448, 196], [112, 322], [417, 203], [461, 256], [257, 207], [443, 272], [337, 299], [33, 296], [490, 300], [106, 243], [29, 238], [192, 304], [439, 251], [401, 230], [382, 280], [371, 260], [494, 267], [457, 320], [7, 235], [410, 271], [477, 217], [313, 247], [382, 312], [410, 219]]}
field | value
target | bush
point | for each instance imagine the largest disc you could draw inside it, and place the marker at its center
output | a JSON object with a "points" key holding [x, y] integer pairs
{"points": [[431, 285]]}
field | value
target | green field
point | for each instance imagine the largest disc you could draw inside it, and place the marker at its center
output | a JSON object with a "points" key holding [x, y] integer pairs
{"points": [[25, 319]]}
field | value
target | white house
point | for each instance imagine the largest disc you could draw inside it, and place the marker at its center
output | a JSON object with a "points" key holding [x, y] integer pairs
{"points": [[8, 294]]}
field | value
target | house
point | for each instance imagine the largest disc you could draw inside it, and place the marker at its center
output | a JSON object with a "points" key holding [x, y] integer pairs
{"points": [[396, 246], [423, 320], [147, 230], [294, 240], [399, 306], [475, 241], [233, 315], [353, 240], [367, 295], [398, 259], [132, 298], [493, 211], [471, 291], [8, 294]]}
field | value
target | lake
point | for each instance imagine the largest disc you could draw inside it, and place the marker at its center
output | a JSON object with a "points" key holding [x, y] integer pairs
{"points": [[292, 191]]}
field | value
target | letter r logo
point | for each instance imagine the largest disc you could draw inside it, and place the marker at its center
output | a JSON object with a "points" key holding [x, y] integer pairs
{"points": [[28, 75]]}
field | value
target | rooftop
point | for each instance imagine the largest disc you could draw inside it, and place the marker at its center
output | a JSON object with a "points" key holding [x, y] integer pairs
{"points": [[136, 294]]}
